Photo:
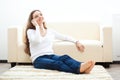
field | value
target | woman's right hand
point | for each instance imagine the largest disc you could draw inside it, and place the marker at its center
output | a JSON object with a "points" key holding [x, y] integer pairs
{"points": [[34, 22]]}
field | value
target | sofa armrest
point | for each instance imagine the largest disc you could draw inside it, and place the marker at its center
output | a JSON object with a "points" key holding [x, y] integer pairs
{"points": [[107, 44], [12, 44]]}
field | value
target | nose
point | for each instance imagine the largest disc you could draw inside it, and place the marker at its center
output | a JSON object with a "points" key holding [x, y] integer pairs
{"points": [[40, 17]]}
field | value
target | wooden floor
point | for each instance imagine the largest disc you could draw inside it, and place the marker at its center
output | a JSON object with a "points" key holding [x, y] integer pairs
{"points": [[114, 70]]}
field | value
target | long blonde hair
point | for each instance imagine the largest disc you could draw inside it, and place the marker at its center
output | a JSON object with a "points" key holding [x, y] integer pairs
{"points": [[30, 26]]}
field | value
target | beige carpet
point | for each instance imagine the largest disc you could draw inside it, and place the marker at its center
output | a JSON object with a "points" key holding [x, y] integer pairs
{"points": [[30, 73]]}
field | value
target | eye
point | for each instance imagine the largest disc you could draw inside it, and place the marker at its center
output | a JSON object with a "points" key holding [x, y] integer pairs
{"points": [[41, 14], [36, 16]]}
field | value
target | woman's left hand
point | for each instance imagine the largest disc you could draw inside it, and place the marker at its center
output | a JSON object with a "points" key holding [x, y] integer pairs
{"points": [[79, 46]]}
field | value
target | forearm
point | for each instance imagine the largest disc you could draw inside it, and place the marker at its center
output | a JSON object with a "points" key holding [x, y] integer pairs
{"points": [[71, 39], [64, 37], [38, 36]]}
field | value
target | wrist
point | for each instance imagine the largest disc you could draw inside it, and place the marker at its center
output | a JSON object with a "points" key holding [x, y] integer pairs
{"points": [[77, 41]]}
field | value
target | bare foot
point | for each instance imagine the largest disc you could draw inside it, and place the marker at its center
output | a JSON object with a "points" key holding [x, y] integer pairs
{"points": [[87, 71], [85, 66]]}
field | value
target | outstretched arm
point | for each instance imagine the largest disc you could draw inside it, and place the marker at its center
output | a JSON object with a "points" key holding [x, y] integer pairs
{"points": [[79, 46]]}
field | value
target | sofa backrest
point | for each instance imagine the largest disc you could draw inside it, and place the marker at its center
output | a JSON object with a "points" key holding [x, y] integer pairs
{"points": [[81, 31], [78, 30]]}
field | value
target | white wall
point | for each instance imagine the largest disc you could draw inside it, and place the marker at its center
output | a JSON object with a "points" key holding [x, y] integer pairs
{"points": [[15, 12]]}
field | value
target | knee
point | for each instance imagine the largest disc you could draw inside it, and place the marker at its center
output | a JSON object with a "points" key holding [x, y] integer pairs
{"points": [[64, 57]]}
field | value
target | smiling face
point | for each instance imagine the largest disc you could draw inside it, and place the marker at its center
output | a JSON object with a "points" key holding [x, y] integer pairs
{"points": [[37, 15]]}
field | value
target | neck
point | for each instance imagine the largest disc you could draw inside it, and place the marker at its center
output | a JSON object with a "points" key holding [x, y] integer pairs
{"points": [[40, 24]]}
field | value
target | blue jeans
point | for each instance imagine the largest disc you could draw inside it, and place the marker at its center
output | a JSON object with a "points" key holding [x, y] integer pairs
{"points": [[62, 63]]}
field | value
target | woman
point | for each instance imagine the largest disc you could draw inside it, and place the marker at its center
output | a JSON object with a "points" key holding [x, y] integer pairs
{"points": [[38, 42]]}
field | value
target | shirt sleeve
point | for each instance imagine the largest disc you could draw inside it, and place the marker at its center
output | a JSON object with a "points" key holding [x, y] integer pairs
{"points": [[34, 35], [63, 37]]}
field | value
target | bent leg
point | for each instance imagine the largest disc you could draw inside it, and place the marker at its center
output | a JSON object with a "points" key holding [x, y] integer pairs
{"points": [[46, 63]]}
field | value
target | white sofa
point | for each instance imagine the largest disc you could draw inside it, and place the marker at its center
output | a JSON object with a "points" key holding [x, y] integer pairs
{"points": [[97, 42]]}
